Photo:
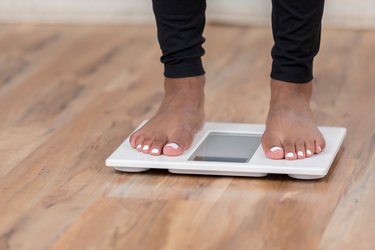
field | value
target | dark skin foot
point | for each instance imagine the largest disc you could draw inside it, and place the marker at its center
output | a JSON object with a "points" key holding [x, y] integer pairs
{"points": [[291, 132], [179, 117]]}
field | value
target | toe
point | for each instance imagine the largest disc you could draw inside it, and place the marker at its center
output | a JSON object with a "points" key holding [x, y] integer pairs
{"points": [[318, 148], [301, 150], [133, 139], [147, 144], [319, 145], [310, 148], [272, 147], [157, 147], [138, 143], [290, 150], [172, 149], [177, 145]]}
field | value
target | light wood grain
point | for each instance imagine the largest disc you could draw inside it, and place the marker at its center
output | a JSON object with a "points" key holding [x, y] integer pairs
{"points": [[69, 95]]}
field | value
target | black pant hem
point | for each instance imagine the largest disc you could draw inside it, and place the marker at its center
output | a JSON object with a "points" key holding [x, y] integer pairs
{"points": [[292, 74], [183, 70]]}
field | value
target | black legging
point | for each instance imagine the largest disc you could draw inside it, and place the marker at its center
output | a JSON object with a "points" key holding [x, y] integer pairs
{"points": [[296, 26]]}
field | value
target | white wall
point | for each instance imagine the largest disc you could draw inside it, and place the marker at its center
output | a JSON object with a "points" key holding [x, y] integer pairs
{"points": [[339, 13], [70, 11]]}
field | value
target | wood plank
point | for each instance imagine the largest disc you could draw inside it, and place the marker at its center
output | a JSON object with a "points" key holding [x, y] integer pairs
{"points": [[352, 224]]}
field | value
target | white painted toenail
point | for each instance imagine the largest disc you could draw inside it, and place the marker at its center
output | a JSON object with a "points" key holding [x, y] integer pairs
{"points": [[155, 151], [300, 153], [290, 155], [274, 149], [146, 147], [319, 148], [173, 145], [308, 152], [139, 146]]}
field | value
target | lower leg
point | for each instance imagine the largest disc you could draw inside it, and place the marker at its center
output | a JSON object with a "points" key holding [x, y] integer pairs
{"points": [[181, 114], [291, 132]]}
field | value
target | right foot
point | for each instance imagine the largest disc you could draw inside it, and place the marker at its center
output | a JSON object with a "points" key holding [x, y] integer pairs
{"points": [[179, 117]]}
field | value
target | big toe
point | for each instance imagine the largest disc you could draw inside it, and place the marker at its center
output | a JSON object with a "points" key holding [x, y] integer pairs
{"points": [[272, 146], [172, 149], [177, 146]]}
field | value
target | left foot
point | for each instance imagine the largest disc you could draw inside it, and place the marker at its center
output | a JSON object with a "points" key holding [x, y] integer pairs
{"points": [[291, 132]]}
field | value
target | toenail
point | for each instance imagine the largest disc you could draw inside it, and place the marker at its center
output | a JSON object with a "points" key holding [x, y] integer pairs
{"points": [[300, 153], [173, 145], [274, 149], [155, 151], [146, 147], [319, 148], [308, 152], [139, 146], [290, 155]]}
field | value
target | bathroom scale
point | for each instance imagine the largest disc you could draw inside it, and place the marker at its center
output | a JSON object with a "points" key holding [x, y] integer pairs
{"points": [[230, 149]]}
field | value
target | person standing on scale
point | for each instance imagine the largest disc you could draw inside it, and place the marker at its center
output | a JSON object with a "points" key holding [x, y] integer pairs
{"points": [[291, 132]]}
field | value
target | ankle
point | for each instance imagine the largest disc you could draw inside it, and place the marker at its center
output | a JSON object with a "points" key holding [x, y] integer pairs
{"points": [[193, 85], [281, 90], [184, 93]]}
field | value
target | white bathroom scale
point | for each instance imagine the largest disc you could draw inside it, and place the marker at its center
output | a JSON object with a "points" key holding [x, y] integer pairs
{"points": [[230, 149]]}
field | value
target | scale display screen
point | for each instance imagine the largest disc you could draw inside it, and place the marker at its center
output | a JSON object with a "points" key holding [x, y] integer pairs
{"points": [[227, 147]]}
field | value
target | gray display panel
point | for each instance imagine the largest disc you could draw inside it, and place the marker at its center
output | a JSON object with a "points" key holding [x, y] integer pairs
{"points": [[227, 147]]}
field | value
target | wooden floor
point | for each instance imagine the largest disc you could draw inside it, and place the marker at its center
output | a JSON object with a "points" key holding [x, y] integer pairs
{"points": [[69, 95]]}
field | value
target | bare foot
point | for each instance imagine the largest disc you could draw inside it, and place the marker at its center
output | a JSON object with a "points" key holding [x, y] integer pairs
{"points": [[291, 132], [179, 117]]}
